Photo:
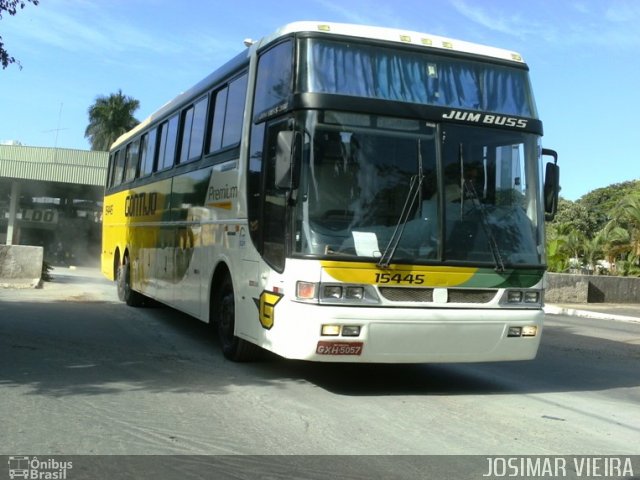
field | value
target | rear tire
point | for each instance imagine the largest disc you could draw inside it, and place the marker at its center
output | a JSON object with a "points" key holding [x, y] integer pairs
{"points": [[123, 282], [223, 314]]}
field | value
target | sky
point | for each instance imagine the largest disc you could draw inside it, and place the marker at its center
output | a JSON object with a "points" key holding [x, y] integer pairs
{"points": [[582, 55]]}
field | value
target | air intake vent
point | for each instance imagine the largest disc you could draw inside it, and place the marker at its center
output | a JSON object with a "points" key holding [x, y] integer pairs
{"points": [[463, 295], [454, 295], [400, 294]]}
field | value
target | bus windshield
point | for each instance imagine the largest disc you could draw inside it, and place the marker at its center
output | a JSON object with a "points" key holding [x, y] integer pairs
{"points": [[383, 188]]}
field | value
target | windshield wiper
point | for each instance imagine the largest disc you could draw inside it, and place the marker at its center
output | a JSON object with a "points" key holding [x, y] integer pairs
{"points": [[491, 239], [415, 191]]}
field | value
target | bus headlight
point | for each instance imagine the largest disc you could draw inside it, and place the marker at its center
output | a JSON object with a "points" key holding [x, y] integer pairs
{"points": [[351, 331], [525, 331], [344, 330], [348, 294], [330, 330], [531, 296], [332, 292], [336, 293], [523, 298], [354, 293], [514, 332], [514, 296]]}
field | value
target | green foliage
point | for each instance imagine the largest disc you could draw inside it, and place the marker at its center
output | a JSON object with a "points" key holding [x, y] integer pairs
{"points": [[11, 7], [574, 216], [592, 252], [626, 215], [557, 256], [46, 272], [629, 266], [602, 225], [110, 117], [600, 202]]}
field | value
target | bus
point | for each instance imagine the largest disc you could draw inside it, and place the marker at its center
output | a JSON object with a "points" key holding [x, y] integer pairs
{"points": [[342, 193]]}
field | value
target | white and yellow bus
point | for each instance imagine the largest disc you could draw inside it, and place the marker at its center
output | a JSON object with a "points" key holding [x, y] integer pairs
{"points": [[342, 193]]}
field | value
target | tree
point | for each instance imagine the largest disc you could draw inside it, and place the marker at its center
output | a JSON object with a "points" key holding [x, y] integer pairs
{"points": [[576, 216], [557, 255], [629, 266], [626, 215], [603, 224], [593, 252], [615, 240], [110, 117], [11, 7], [601, 201]]}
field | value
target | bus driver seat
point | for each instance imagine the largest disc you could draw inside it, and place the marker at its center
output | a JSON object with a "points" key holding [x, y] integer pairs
{"points": [[333, 179]]}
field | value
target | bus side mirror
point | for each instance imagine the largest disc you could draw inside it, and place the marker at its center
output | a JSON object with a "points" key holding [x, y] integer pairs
{"points": [[286, 148], [551, 185]]}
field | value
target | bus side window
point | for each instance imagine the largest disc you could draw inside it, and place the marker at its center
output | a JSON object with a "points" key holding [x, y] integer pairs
{"points": [[255, 183], [217, 120], [274, 207], [148, 152], [235, 112], [132, 160], [187, 123], [118, 170], [274, 79], [226, 122], [110, 170], [199, 126], [168, 140], [193, 122]]}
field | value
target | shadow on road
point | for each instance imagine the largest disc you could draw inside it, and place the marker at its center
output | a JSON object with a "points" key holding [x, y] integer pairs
{"points": [[78, 279], [67, 348]]}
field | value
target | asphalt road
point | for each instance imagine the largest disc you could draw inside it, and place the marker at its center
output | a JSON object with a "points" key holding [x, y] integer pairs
{"points": [[81, 373]]}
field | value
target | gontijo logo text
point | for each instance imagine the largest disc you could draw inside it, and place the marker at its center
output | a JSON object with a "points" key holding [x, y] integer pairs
{"points": [[38, 468], [140, 204]]}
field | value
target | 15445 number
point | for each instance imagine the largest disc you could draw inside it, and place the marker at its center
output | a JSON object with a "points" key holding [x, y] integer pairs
{"points": [[400, 278]]}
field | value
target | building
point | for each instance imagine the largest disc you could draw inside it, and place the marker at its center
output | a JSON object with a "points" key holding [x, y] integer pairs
{"points": [[52, 197]]}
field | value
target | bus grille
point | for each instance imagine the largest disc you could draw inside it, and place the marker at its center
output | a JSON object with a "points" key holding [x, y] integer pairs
{"points": [[454, 295], [403, 294], [462, 295]]}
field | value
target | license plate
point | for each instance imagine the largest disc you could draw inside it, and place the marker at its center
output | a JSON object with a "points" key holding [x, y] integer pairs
{"points": [[339, 348]]}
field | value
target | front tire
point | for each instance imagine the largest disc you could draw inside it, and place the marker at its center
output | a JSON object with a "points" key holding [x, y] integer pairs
{"points": [[223, 310]]}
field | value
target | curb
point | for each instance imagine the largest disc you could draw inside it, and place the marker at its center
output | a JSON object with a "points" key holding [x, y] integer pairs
{"points": [[557, 310]]}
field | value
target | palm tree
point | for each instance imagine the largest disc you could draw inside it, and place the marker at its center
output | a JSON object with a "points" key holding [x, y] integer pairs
{"points": [[575, 242], [624, 234], [627, 214], [615, 242], [557, 255], [592, 249], [629, 266], [110, 117]]}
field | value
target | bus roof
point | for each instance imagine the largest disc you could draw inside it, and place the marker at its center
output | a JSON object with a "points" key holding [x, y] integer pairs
{"points": [[394, 35]]}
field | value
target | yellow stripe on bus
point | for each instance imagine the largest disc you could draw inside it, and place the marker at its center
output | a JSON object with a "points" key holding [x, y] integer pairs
{"points": [[225, 205], [414, 275]]}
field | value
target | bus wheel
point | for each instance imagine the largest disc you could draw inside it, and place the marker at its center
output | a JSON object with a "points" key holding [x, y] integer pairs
{"points": [[123, 281], [224, 311]]}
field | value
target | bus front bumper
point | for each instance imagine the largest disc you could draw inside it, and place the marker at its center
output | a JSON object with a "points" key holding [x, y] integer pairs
{"points": [[404, 335]]}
